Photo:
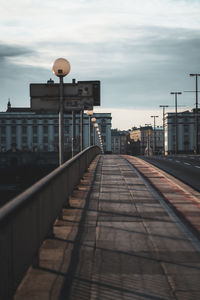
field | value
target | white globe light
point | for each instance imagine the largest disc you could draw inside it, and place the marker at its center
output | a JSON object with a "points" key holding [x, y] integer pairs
{"points": [[90, 112], [61, 67]]}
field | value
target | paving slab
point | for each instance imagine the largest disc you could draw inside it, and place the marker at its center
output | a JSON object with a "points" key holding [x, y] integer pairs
{"points": [[115, 241]]}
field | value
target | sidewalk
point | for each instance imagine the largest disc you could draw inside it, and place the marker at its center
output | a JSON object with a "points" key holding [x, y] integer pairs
{"points": [[115, 241]]}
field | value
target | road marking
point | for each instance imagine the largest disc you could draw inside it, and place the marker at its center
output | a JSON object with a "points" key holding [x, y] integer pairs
{"points": [[177, 160], [197, 167], [187, 164]]}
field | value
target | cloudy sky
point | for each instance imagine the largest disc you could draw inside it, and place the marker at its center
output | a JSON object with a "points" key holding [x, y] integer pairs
{"points": [[141, 50]]}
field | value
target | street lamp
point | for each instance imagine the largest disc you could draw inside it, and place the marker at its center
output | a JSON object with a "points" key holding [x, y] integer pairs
{"points": [[61, 67], [176, 122], [154, 133], [163, 107], [93, 121], [89, 113], [196, 150]]}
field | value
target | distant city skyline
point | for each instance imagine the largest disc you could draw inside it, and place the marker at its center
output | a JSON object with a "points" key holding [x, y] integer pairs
{"points": [[141, 50]]}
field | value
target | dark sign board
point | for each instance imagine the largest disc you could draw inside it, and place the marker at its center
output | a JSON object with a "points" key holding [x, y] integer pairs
{"points": [[82, 95]]}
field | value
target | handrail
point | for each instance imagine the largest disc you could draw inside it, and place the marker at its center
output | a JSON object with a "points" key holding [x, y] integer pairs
{"points": [[26, 220]]}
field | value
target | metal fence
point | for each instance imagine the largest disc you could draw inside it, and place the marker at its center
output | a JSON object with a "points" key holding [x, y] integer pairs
{"points": [[27, 219]]}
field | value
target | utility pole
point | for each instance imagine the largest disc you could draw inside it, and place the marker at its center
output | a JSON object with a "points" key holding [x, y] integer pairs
{"points": [[196, 149], [176, 121], [163, 107], [154, 133]]}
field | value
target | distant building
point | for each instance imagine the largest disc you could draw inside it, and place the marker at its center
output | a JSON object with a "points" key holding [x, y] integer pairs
{"points": [[22, 129], [185, 132], [119, 141], [145, 140]]}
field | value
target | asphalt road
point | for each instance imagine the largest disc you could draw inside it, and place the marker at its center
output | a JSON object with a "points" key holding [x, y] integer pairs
{"points": [[183, 167]]}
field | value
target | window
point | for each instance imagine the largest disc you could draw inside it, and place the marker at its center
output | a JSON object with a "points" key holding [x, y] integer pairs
{"points": [[45, 139], [35, 140], [186, 128], [3, 130], [24, 129], [66, 129], [103, 129], [24, 140], [45, 129], [34, 130], [55, 129], [24, 121], [13, 141], [45, 148], [3, 139], [13, 129], [56, 139]]}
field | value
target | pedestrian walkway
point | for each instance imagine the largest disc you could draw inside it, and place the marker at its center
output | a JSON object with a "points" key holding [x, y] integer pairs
{"points": [[115, 241]]}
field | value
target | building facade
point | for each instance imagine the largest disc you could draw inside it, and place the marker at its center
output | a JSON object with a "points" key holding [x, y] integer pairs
{"points": [[119, 141], [24, 130], [146, 140], [180, 129]]}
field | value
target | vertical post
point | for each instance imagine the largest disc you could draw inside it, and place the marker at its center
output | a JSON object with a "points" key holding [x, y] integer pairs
{"points": [[164, 106], [176, 126], [61, 135], [196, 119], [154, 134], [73, 132], [176, 121], [81, 130], [164, 130], [94, 135], [89, 131], [154, 125]]}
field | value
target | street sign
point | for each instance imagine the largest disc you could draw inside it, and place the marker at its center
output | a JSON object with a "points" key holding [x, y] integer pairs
{"points": [[82, 95]]}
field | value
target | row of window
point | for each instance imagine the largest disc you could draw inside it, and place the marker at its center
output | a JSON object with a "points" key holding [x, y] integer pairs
{"points": [[24, 129], [35, 140], [34, 121]]}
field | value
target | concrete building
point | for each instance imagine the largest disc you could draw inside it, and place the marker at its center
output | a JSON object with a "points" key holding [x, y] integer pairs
{"points": [[22, 129], [119, 141], [145, 138], [185, 132]]}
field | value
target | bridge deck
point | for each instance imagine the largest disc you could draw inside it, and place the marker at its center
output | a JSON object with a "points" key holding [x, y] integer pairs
{"points": [[115, 241]]}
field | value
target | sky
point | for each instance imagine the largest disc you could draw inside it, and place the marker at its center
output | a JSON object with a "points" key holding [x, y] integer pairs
{"points": [[140, 50]]}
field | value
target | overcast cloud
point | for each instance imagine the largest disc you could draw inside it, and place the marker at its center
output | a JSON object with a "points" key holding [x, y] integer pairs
{"points": [[141, 50]]}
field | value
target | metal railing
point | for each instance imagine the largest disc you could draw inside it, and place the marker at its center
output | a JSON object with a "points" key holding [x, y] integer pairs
{"points": [[27, 219]]}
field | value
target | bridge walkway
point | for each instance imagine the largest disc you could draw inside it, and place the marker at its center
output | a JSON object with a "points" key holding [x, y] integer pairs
{"points": [[115, 241]]}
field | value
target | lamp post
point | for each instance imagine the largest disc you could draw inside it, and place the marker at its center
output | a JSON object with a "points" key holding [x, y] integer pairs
{"points": [[176, 121], [196, 149], [93, 121], [89, 113], [154, 133], [163, 107], [61, 67]]}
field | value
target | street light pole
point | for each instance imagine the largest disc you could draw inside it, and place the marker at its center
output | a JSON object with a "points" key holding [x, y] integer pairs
{"points": [[176, 121], [61, 68], [196, 149], [163, 107], [89, 113], [154, 133], [93, 121]]}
